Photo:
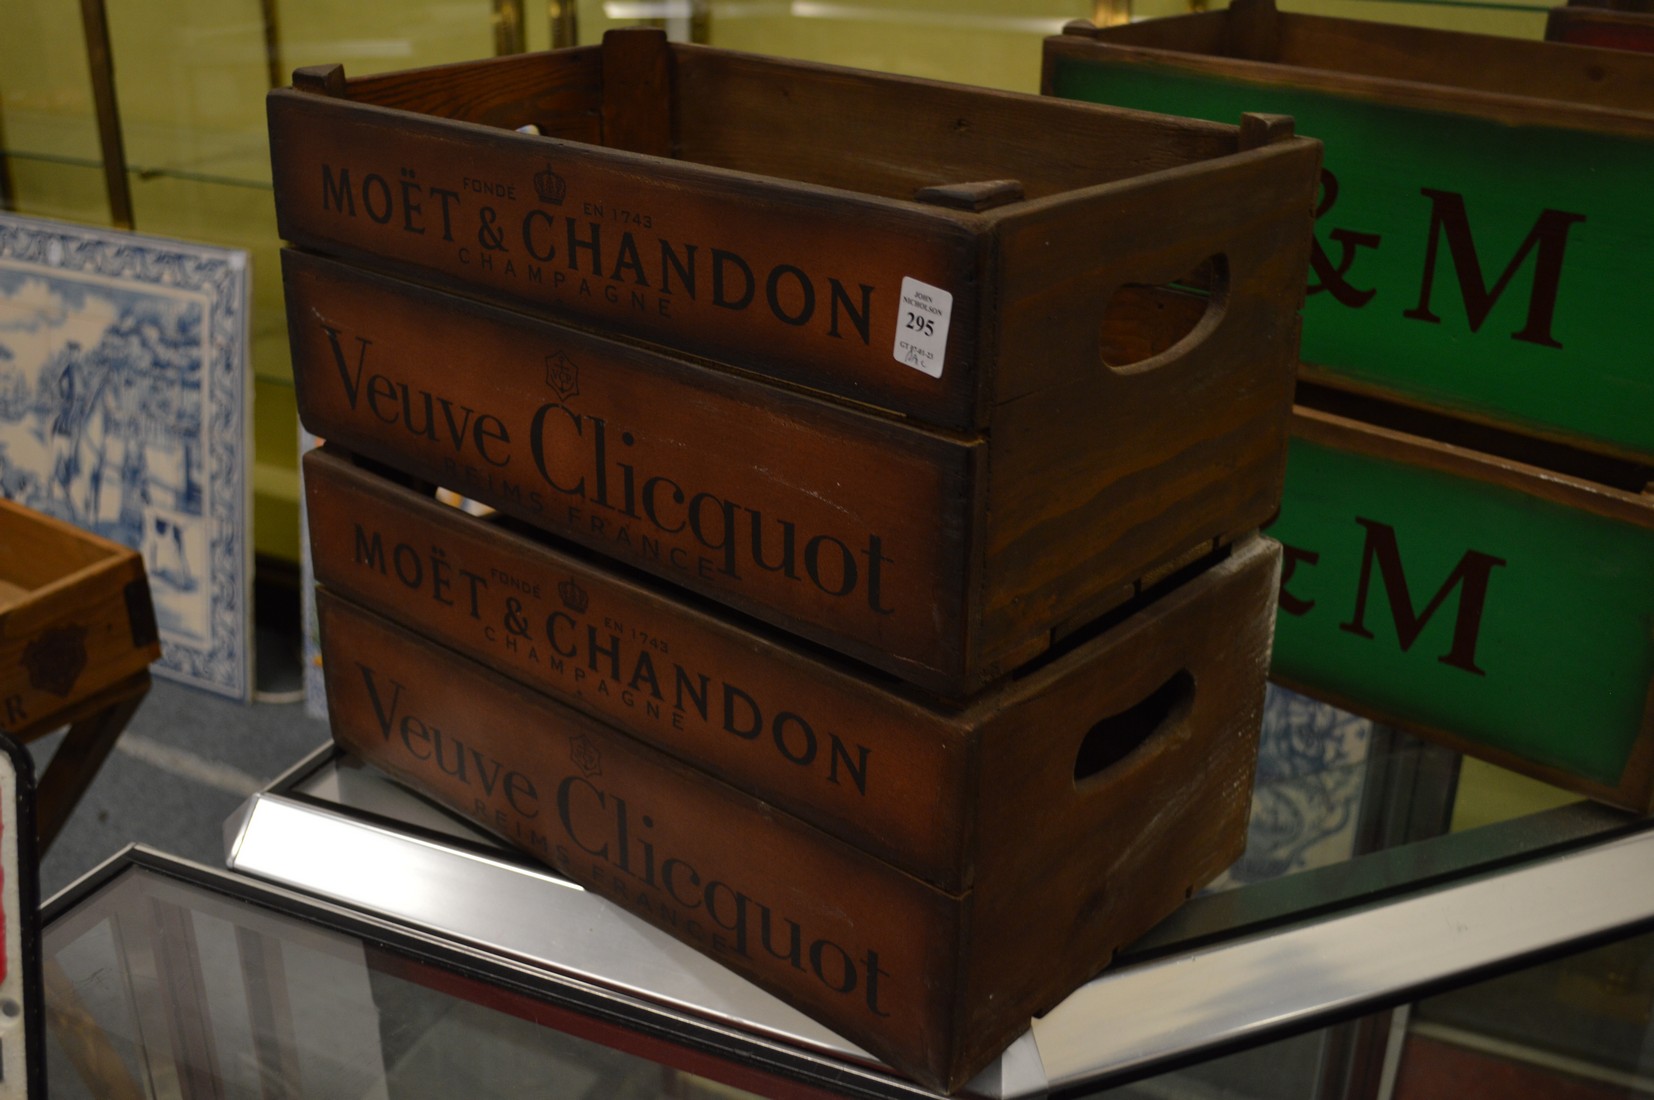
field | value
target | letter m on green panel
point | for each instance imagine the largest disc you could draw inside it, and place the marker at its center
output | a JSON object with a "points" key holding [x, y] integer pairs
{"points": [[1470, 578], [1546, 243]]}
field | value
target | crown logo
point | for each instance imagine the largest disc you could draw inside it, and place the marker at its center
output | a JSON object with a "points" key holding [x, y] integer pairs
{"points": [[585, 755], [550, 186], [573, 596], [562, 375]]}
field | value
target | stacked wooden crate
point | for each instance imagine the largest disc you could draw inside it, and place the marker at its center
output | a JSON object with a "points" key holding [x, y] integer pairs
{"points": [[1468, 521], [874, 598]]}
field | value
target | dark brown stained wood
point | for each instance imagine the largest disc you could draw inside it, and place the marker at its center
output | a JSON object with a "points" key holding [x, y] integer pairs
{"points": [[1513, 79], [320, 79], [889, 136], [937, 983], [1449, 157], [945, 559], [637, 92], [563, 100], [774, 232], [819, 738], [846, 528], [710, 864], [1261, 129], [501, 226], [95, 722], [1576, 493], [1058, 478], [1253, 31], [75, 619]]}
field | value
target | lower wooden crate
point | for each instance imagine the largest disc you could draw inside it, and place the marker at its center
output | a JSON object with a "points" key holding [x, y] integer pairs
{"points": [[1498, 606], [77, 635], [1115, 824], [75, 619]]}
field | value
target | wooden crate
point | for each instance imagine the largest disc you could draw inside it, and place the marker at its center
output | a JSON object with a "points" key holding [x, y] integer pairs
{"points": [[75, 621], [944, 558], [1074, 836], [943, 252], [1497, 605], [1482, 231], [823, 739]]}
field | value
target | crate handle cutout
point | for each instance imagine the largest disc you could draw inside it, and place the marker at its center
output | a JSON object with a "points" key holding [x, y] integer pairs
{"points": [[1119, 735], [1145, 326]]}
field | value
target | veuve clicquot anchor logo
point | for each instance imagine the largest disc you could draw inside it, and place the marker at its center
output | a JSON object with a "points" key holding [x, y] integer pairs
{"points": [[605, 495], [594, 251], [611, 843]]}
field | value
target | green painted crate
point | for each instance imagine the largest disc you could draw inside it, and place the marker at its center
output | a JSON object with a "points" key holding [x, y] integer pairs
{"points": [[1503, 608], [1484, 230]]}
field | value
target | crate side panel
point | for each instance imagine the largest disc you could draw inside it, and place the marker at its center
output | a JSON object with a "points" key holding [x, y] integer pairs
{"points": [[892, 136], [1119, 847], [1134, 465]]}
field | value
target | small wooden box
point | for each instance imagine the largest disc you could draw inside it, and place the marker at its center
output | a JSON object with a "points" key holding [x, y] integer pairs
{"points": [[1482, 230], [1497, 605], [852, 753], [75, 619], [945, 559], [1071, 836]]}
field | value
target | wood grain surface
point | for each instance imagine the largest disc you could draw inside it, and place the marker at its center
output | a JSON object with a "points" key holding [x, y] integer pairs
{"points": [[762, 213], [948, 560], [1083, 831]]}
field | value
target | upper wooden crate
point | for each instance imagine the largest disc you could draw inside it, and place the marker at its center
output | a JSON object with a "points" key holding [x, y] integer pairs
{"points": [[1482, 232], [1101, 306], [75, 619], [930, 249], [1613, 29]]}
